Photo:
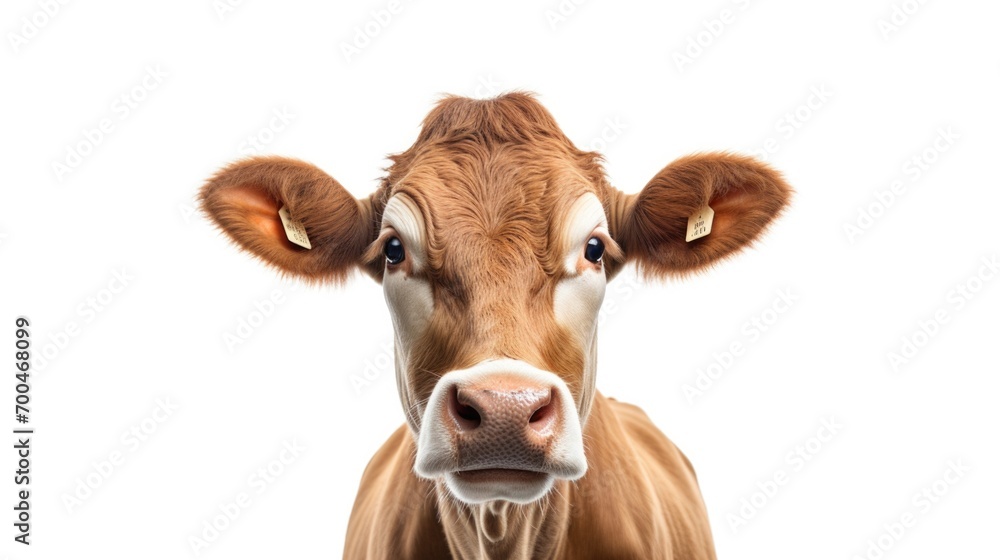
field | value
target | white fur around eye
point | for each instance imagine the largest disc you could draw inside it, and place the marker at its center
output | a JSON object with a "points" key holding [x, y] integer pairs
{"points": [[584, 217], [578, 296], [403, 215], [409, 296]]}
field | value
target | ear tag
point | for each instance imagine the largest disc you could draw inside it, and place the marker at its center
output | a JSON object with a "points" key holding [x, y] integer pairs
{"points": [[294, 229], [700, 224]]}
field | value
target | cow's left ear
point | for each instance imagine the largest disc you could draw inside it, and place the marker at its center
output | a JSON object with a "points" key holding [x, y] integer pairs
{"points": [[652, 227]]}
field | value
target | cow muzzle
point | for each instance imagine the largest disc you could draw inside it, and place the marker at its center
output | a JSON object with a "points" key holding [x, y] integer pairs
{"points": [[500, 430]]}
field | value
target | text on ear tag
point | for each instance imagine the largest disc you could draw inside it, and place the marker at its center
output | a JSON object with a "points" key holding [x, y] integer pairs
{"points": [[294, 229], [700, 224]]}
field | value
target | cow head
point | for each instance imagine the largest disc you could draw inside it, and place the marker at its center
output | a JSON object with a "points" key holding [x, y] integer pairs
{"points": [[494, 238]]}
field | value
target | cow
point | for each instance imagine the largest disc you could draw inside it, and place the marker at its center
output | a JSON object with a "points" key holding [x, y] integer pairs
{"points": [[494, 238]]}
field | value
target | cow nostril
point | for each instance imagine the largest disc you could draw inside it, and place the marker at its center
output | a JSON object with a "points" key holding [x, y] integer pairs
{"points": [[468, 413], [543, 417], [465, 415]]}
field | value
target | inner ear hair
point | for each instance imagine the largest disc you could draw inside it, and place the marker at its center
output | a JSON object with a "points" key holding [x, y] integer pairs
{"points": [[243, 200]]}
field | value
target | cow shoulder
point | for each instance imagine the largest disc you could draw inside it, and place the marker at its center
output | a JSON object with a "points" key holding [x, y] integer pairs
{"points": [[640, 496], [673, 480], [395, 514]]}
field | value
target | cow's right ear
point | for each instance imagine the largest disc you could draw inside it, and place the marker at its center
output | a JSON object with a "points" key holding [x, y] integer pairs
{"points": [[244, 199]]}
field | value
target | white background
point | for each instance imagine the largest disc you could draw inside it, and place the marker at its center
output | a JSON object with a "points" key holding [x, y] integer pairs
{"points": [[128, 205]]}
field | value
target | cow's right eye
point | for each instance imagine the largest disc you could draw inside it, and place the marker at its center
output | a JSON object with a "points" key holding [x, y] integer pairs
{"points": [[394, 253], [594, 251]]}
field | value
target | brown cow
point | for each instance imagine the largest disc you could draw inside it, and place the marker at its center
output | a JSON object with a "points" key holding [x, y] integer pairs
{"points": [[494, 238]]}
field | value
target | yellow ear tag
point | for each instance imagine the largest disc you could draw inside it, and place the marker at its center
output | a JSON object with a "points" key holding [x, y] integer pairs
{"points": [[294, 229], [700, 224]]}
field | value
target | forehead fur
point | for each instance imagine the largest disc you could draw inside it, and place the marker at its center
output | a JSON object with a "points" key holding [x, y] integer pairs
{"points": [[496, 172]]}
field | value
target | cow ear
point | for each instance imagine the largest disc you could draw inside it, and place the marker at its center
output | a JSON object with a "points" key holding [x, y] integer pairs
{"points": [[244, 200], [652, 226]]}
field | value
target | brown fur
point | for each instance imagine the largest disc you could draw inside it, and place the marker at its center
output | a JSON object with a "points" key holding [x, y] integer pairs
{"points": [[244, 198], [746, 196], [493, 180]]}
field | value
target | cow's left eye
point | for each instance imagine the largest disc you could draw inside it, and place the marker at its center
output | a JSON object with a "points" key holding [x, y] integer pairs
{"points": [[594, 251]]}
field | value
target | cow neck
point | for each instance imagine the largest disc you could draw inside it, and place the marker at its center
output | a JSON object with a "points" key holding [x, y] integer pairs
{"points": [[500, 529]]}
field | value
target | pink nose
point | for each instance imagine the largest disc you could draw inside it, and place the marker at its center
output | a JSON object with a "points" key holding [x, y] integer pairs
{"points": [[503, 424]]}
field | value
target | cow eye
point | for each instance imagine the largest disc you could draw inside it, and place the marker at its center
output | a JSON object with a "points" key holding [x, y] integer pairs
{"points": [[594, 250], [393, 251]]}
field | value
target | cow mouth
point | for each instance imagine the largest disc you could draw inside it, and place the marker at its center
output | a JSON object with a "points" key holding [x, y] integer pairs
{"points": [[500, 475], [476, 486]]}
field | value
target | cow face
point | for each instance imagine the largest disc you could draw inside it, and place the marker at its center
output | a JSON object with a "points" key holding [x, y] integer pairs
{"points": [[494, 239]]}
